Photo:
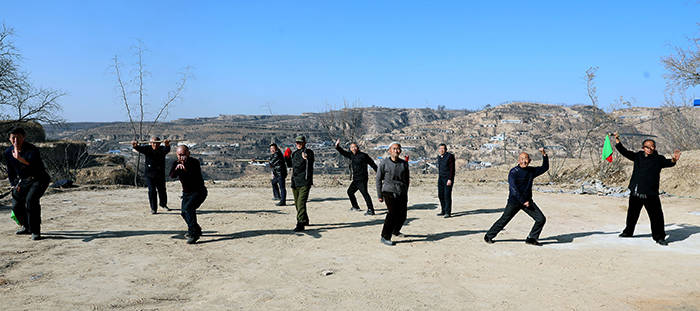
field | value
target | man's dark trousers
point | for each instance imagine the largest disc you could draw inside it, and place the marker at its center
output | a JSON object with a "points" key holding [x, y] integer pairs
{"points": [[511, 209], [395, 215], [362, 186], [156, 190], [301, 195], [656, 216], [279, 191], [190, 203], [25, 204], [445, 195]]}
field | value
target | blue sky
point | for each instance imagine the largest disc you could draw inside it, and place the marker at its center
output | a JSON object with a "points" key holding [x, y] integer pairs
{"points": [[301, 56]]}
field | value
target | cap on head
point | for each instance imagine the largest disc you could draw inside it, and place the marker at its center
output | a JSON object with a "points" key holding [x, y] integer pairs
{"points": [[300, 139]]}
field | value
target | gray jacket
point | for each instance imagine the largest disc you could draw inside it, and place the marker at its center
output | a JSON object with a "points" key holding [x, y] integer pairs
{"points": [[392, 177]]}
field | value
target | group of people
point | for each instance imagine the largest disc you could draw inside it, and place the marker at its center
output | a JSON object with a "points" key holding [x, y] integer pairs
{"points": [[29, 180]]}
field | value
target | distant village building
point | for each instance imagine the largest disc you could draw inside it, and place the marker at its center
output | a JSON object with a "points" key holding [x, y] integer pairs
{"points": [[499, 137], [512, 121]]}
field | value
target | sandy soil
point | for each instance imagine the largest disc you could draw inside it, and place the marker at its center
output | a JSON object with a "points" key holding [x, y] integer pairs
{"points": [[103, 250]]}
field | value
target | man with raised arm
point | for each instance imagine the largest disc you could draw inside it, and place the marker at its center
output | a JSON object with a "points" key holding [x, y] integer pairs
{"points": [[154, 171], [358, 169], [644, 187], [520, 198]]}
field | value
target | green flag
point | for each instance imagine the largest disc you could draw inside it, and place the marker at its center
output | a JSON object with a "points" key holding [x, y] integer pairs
{"points": [[12, 215], [607, 149]]}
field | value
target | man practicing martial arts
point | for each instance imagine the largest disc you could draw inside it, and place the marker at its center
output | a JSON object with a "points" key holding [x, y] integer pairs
{"points": [[302, 163], [154, 171], [644, 187], [520, 198], [393, 180], [358, 168], [29, 181], [188, 170]]}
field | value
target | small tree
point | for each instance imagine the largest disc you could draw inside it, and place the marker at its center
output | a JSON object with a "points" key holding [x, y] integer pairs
{"points": [[137, 112], [20, 101]]}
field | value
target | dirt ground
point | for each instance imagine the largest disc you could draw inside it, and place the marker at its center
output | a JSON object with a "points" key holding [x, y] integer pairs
{"points": [[103, 250]]}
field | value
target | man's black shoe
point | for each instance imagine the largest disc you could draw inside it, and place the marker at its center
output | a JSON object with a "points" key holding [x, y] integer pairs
{"points": [[662, 242], [448, 215], [36, 237], [276, 198], [532, 241], [154, 212], [488, 240], [625, 235], [399, 234], [387, 242], [441, 214], [355, 209], [166, 208], [22, 230], [299, 228], [281, 204], [192, 239], [369, 212]]}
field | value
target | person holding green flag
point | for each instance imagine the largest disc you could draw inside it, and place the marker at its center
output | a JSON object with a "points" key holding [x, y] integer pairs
{"points": [[644, 187], [29, 181]]}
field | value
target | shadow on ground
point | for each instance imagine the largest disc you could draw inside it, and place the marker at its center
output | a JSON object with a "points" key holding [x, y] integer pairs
{"points": [[676, 235], [437, 236]]}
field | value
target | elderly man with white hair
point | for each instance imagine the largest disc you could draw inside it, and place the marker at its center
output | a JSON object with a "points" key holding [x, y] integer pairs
{"points": [[520, 198], [188, 170], [392, 187]]}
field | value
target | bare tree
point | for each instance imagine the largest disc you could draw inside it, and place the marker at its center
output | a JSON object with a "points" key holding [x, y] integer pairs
{"points": [[137, 110], [676, 124], [594, 120], [344, 123], [20, 101], [683, 66]]}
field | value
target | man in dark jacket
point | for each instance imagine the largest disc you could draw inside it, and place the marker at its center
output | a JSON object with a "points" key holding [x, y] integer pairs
{"points": [[644, 187], [29, 180], [302, 163], [154, 171], [520, 197], [279, 174], [446, 177], [358, 168], [188, 170]]}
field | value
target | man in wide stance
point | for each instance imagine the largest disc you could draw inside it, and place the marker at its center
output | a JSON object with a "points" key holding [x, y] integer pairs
{"points": [[644, 187], [302, 163], [188, 170], [392, 187], [155, 171], [520, 198], [358, 168], [29, 180]]}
